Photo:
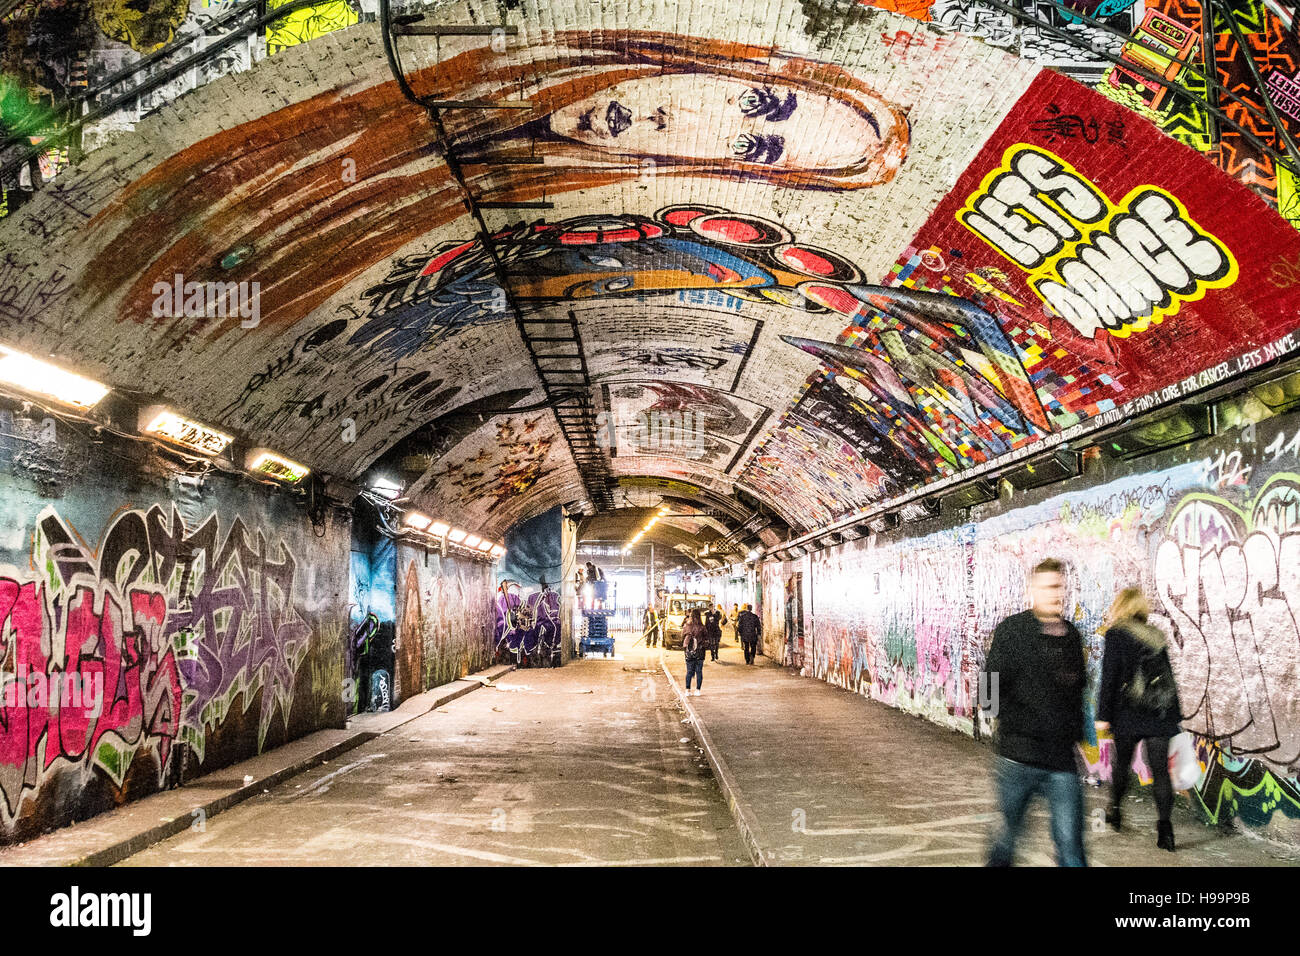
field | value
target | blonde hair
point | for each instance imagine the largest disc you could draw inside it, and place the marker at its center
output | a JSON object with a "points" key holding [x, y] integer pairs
{"points": [[1130, 604]]}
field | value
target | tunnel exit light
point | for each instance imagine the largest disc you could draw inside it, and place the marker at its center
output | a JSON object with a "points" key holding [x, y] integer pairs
{"points": [[167, 425], [30, 374]]}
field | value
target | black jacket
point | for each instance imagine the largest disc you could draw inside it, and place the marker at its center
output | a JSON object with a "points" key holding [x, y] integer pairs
{"points": [[713, 628], [1126, 645], [748, 626], [1039, 685]]}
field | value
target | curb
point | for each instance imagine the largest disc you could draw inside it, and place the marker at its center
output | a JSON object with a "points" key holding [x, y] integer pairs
{"points": [[434, 697], [743, 816]]}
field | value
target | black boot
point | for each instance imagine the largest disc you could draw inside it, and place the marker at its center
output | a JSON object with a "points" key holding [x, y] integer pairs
{"points": [[1165, 835], [1114, 818]]}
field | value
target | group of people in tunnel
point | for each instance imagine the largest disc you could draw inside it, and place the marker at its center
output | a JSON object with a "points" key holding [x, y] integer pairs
{"points": [[702, 636], [1033, 684]]}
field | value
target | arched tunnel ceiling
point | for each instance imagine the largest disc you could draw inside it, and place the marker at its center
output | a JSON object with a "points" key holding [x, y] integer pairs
{"points": [[783, 235]]}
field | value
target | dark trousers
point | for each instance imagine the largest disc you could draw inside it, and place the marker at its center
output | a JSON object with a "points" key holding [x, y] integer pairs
{"points": [[1017, 783], [751, 648], [695, 667], [1157, 758]]}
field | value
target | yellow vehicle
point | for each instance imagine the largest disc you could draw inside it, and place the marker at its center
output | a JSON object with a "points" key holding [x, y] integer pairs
{"points": [[676, 608]]}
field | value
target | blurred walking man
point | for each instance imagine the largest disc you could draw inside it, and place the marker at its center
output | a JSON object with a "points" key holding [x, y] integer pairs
{"points": [[1034, 679]]}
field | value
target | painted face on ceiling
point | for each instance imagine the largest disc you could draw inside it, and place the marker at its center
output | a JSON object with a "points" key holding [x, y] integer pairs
{"points": [[709, 118]]}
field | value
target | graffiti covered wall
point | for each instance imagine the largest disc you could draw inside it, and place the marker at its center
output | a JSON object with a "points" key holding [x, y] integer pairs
{"points": [[1210, 532], [152, 629], [444, 619]]}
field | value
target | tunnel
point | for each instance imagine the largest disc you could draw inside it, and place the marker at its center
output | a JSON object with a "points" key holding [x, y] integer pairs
{"points": [[337, 338]]}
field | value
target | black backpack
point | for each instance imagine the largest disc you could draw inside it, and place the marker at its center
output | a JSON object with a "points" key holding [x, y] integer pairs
{"points": [[1152, 689]]}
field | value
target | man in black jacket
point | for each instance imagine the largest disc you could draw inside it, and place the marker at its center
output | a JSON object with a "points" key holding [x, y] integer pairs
{"points": [[1034, 678], [749, 628]]}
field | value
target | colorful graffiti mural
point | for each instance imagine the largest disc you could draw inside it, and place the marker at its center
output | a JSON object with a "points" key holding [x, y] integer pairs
{"points": [[527, 626], [1068, 306], [168, 630]]}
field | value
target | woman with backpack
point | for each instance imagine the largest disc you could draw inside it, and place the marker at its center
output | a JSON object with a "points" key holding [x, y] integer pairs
{"points": [[1138, 701], [695, 643]]}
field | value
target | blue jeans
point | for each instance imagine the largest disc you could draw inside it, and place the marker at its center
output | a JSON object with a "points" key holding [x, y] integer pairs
{"points": [[696, 668], [1017, 783]]}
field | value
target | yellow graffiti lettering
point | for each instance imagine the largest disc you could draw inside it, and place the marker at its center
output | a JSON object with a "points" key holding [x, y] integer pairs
{"points": [[1122, 267]]}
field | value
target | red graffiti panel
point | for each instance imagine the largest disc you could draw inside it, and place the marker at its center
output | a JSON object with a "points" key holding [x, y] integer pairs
{"points": [[1118, 263]]}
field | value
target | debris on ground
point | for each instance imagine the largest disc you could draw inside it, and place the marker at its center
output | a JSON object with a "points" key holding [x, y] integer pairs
{"points": [[514, 687]]}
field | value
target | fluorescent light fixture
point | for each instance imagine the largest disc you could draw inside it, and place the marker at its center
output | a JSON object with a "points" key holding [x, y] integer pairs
{"points": [[167, 425], [41, 378], [439, 528], [263, 461], [753, 555], [385, 488], [498, 551], [456, 536], [417, 521], [486, 546], [472, 541]]}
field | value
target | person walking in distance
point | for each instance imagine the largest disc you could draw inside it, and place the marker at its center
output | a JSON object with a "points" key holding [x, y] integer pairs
{"points": [[1034, 675], [650, 626], [1138, 701], [694, 645], [732, 618], [713, 627], [749, 629]]}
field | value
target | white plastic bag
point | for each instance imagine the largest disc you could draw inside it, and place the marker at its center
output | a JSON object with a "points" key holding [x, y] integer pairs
{"points": [[1184, 768]]}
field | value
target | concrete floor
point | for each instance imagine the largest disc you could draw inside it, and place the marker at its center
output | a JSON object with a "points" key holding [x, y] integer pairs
{"points": [[583, 765], [833, 778], [591, 764]]}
